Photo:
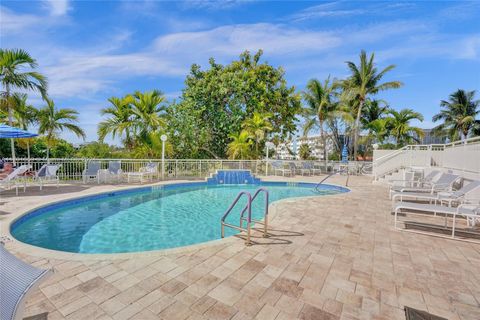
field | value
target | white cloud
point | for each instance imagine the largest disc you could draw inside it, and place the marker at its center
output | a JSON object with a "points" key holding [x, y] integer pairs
{"points": [[12, 22], [58, 7]]}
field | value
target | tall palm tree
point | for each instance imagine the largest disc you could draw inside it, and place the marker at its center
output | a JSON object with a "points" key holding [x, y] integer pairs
{"points": [[120, 121], [398, 125], [52, 121], [320, 106], [241, 145], [24, 116], [148, 111], [15, 74], [258, 126], [459, 115], [373, 110], [364, 81]]}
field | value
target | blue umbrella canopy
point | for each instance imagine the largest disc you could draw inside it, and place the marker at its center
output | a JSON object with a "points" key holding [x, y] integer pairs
{"points": [[344, 154], [12, 132]]}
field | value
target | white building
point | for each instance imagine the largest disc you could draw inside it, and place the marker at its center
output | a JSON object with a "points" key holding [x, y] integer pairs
{"points": [[290, 150]]}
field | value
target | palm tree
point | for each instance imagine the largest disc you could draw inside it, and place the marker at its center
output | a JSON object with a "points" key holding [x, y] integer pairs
{"points": [[364, 81], [320, 106], [304, 151], [24, 115], [13, 76], [52, 121], [120, 121], [241, 145], [398, 125], [258, 126], [147, 110], [374, 110], [459, 115]]}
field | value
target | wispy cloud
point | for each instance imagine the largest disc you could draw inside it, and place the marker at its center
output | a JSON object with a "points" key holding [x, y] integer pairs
{"points": [[12, 22], [58, 7], [213, 4]]}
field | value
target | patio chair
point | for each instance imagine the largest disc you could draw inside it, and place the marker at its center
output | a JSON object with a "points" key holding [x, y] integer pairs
{"points": [[311, 167], [17, 281], [444, 182], [303, 169], [422, 184], [148, 171], [47, 173], [13, 177], [278, 167], [92, 171], [470, 211], [440, 197], [114, 171]]}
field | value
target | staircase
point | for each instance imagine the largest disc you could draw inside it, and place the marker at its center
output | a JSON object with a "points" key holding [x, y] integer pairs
{"points": [[233, 177]]}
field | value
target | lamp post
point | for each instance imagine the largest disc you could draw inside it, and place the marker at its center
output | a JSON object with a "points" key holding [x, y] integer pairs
{"points": [[268, 145], [163, 137]]}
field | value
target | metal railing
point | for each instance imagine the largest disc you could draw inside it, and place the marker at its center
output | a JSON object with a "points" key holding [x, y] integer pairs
{"points": [[460, 156], [249, 216], [72, 168], [265, 212]]}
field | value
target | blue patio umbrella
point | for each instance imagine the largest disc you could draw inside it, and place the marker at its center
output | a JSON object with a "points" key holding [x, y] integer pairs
{"points": [[13, 133], [344, 154]]}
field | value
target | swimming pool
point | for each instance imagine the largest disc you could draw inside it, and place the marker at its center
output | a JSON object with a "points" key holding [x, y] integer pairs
{"points": [[149, 218]]}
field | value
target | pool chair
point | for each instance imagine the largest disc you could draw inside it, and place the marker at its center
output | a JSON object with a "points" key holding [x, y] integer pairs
{"points": [[467, 209], [422, 184], [91, 172], [114, 171], [278, 167], [444, 182], [13, 177], [311, 166], [147, 172], [46, 174], [17, 281], [447, 197], [303, 169]]}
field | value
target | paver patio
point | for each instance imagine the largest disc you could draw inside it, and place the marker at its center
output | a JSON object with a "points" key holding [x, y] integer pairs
{"points": [[333, 257]]}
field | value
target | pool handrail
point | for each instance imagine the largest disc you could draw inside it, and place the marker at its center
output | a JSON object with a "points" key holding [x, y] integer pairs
{"points": [[249, 217], [265, 212]]}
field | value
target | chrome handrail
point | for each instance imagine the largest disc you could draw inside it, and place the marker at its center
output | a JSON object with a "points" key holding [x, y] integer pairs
{"points": [[265, 212], [249, 218]]}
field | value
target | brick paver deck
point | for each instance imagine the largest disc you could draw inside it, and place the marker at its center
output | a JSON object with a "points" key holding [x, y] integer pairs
{"points": [[328, 258]]}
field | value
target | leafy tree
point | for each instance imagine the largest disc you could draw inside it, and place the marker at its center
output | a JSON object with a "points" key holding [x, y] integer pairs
{"points": [[364, 81], [52, 121], [119, 123], [305, 152], [223, 96], [15, 73], [147, 110], [459, 115], [258, 126], [151, 146], [95, 150], [241, 145], [398, 125], [321, 107], [373, 110]]}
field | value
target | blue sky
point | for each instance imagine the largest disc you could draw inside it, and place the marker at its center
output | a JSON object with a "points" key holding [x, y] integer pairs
{"points": [[92, 50]]}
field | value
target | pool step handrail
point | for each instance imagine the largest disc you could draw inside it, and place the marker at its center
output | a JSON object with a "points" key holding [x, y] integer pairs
{"points": [[265, 212], [323, 180], [340, 171], [249, 216]]}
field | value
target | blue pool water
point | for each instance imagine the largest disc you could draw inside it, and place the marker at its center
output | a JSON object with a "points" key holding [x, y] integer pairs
{"points": [[148, 218]]}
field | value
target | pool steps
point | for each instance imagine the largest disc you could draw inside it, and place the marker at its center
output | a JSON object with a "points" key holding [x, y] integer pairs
{"points": [[233, 177]]}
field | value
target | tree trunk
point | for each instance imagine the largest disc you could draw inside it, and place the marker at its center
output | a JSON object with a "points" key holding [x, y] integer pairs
{"points": [[357, 130], [28, 151], [10, 120]]}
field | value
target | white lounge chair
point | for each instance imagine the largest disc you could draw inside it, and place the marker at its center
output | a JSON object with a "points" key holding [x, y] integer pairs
{"points": [[445, 182], [303, 169], [397, 185], [470, 211], [149, 172], [14, 177], [47, 173], [17, 281], [278, 167], [114, 171], [440, 197], [91, 172]]}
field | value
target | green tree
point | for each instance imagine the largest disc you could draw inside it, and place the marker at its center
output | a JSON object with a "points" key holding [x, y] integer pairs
{"points": [[321, 106], [24, 116], [52, 121], [258, 126], [459, 115], [15, 73], [364, 81], [119, 122], [398, 124], [223, 96], [148, 109], [305, 152], [241, 146]]}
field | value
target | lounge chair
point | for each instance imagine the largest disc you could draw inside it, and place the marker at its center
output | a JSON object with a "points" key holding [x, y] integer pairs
{"points": [[114, 171], [148, 171], [470, 211], [13, 177], [47, 173], [278, 167], [311, 166], [440, 197], [92, 171], [17, 280], [445, 182], [421, 184]]}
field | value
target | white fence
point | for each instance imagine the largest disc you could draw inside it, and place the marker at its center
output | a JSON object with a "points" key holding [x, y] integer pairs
{"points": [[72, 169], [459, 156]]}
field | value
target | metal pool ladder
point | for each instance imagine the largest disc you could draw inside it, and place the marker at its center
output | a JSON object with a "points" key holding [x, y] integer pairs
{"points": [[248, 218]]}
